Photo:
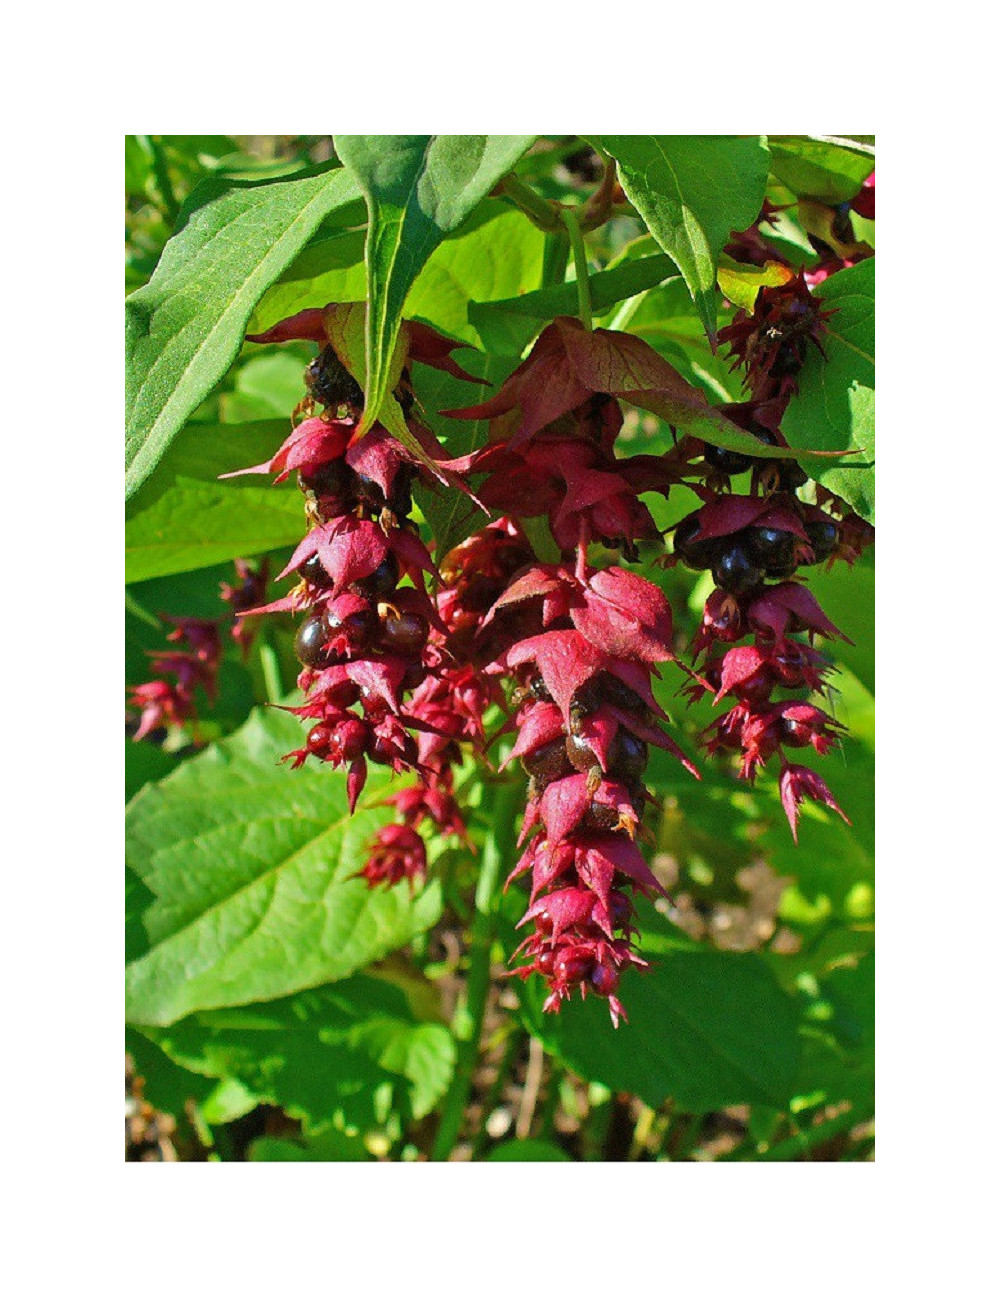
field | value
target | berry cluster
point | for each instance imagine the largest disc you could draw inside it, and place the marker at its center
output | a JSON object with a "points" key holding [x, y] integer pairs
{"points": [[400, 676], [362, 637], [450, 704], [585, 716], [755, 545]]}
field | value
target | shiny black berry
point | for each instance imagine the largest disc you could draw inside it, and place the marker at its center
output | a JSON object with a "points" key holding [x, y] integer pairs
{"points": [[403, 633], [330, 382], [383, 581], [791, 475], [771, 548], [354, 632], [312, 570], [547, 763], [795, 732], [735, 572], [725, 461], [628, 757], [335, 480], [604, 688], [823, 538], [694, 553], [310, 640]]}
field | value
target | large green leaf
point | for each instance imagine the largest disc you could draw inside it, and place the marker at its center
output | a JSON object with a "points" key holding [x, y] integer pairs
{"points": [[511, 322], [322, 1055], [185, 326], [497, 253], [834, 407], [185, 518], [419, 188], [692, 191], [707, 1028], [251, 868], [328, 270], [830, 169]]}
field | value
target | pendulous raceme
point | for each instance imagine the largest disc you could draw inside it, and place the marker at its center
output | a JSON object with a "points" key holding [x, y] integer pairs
{"points": [[403, 654]]}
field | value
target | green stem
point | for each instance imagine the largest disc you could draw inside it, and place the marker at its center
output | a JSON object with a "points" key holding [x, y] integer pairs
{"points": [[274, 687], [555, 258], [580, 262], [467, 1023], [537, 209]]}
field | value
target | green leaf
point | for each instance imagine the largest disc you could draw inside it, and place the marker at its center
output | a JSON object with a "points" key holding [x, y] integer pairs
{"points": [[707, 1028], [145, 762], [185, 518], [342, 1054], [328, 270], [847, 596], [185, 326], [266, 387], [528, 1149], [834, 407], [331, 1146], [251, 866], [419, 188], [167, 1085], [496, 253], [829, 169], [692, 192], [511, 322]]}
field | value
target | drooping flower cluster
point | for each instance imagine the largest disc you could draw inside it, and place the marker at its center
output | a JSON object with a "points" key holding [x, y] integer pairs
{"points": [[168, 699], [166, 702], [582, 646], [242, 596], [755, 545], [395, 674], [380, 683], [450, 704]]}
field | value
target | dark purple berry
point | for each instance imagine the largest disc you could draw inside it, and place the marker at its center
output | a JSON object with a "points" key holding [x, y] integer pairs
{"points": [[727, 462], [605, 980], [403, 633], [628, 757], [771, 548], [330, 382], [823, 538], [313, 572], [352, 633], [334, 480], [694, 553], [735, 572], [547, 763], [795, 732], [310, 640], [381, 583]]}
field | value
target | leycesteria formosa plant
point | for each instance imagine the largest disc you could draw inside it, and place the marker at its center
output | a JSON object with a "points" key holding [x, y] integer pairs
{"points": [[495, 593]]}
